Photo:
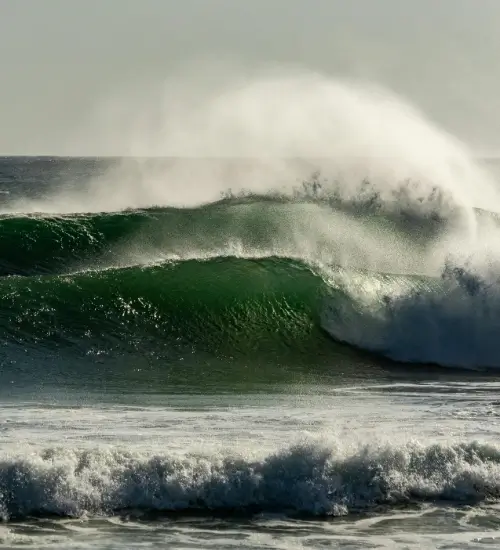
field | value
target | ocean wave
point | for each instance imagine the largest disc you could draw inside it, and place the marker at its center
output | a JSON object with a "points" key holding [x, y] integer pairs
{"points": [[228, 306], [245, 275], [308, 223], [303, 480]]}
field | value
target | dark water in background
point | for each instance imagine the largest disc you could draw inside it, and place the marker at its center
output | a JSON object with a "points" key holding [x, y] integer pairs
{"points": [[156, 379]]}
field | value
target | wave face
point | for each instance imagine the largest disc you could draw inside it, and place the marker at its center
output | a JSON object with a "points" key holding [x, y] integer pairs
{"points": [[305, 480], [222, 306], [248, 275]]}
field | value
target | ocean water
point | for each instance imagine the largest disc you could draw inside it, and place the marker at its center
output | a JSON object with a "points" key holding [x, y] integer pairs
{"points": [[261, 370]]}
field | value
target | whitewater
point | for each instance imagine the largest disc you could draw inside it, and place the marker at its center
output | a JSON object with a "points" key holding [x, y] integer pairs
{"points": [[273, 324]]}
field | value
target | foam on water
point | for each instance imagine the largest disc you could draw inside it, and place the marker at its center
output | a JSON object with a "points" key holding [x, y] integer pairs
{"points": [[302, 480]]}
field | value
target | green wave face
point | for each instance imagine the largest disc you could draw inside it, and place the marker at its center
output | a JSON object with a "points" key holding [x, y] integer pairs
{"points": [[223, 306]]}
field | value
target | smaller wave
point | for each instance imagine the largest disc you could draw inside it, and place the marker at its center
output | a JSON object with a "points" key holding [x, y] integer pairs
{"points": [[303, 480]]}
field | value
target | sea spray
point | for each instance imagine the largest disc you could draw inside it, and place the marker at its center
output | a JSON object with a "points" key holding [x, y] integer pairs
{"points": [[280, 124]]}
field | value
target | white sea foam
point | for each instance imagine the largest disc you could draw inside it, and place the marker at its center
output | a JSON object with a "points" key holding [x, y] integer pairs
{"points": [[306, 480]]}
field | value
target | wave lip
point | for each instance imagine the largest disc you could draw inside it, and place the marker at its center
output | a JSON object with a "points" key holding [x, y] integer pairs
{"points": [[303, 480]]}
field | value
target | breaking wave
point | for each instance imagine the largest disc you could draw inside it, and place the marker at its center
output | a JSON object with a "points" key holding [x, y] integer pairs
{"points": [[303, 480]]}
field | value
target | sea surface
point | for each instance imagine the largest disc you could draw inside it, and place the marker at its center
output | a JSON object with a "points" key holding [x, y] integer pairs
{"points": [[258, 370]]}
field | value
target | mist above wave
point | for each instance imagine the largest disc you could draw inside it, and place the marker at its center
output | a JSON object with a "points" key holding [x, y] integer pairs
{"points": [[280, 126], [293, 134]]}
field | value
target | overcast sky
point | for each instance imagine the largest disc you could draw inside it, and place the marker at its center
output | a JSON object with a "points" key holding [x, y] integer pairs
{"points": [[61, 59]]}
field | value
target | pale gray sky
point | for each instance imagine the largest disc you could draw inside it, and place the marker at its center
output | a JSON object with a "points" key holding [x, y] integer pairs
{"points": [[61, 59]]}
